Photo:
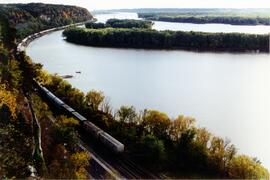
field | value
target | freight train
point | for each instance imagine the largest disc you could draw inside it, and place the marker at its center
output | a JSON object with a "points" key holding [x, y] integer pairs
{"points": [[26, 41], [103, 137]]}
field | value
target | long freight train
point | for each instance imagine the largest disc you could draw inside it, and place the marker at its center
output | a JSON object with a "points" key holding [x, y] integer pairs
{"points": [[107, 140], [26, 41], [100, 135]]}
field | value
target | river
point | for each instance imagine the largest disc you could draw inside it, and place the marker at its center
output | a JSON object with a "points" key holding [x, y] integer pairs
{"points": [[228, 93], [159, 25]]}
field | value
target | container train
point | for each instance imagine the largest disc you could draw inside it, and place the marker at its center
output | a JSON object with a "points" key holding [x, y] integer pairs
{"points": [[26, 41], [103, 137], [107, 140]]}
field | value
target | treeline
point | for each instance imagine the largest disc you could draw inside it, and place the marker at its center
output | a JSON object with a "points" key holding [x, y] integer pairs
{"points": [[95, 25], [34, 17], [174, 146], [262, 12], [120, 23], [30, 137], [147, 38], [129, 23], [203, 19]]}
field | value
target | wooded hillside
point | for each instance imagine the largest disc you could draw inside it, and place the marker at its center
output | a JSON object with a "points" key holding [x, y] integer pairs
{"points": [[33, 17]]}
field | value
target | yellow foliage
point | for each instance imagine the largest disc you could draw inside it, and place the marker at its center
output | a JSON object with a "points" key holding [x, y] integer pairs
{"points": [[44, 77], [202, 136], [9, 99], [67, 121], [244, 167], [180, 126], [94, 98], [41, 108], [81, 173], [80, 161], [156, 122]]}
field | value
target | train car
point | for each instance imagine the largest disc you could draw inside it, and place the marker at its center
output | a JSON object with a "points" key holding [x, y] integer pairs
{"points": [[107, 140], [112, 143], [68, 108], [51, 96], [78, 116], [45, 90], [92, 129], [58, 101]]}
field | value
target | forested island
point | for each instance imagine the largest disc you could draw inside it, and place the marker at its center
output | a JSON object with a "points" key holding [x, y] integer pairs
{"points": [[204, 18], [153, 39], [120, 23], [33, 135], [202, 15]]}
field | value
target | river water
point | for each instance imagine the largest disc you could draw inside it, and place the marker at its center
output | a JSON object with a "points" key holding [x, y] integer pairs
{"points": [[228, 93], [159, 25]]}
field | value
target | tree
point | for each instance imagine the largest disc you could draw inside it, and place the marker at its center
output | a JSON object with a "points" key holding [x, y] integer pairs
{"points": [[153, 39], [243, 167], [153, 150], [80, 161], [9, 99], [156, 123], [180, 125], [202, 137], [29, 71], [94, 99], [126, 114]]}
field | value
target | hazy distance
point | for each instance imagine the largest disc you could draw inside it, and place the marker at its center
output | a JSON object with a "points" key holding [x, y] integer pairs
{"points": [[117, 4]]}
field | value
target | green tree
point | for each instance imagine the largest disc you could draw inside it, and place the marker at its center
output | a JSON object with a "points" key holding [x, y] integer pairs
{"points": [[153, 150]]}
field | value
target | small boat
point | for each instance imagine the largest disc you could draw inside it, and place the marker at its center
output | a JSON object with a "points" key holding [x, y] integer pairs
{"points": [[67, 76], [78, 72]]}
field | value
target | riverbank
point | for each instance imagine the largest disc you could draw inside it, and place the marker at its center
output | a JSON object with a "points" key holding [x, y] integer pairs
{"points": [[206, 19], [26, 41], [153, 39], [121, 130]]}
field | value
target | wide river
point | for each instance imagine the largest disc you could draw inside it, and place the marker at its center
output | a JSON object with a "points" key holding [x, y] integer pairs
{"points": [[228, 93]]}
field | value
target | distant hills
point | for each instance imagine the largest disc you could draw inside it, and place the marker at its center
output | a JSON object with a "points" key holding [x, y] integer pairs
{"points": [[202, 16], [248, 11]]}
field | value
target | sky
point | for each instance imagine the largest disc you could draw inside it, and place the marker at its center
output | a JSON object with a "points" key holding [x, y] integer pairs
{"points": [[118, 4]]}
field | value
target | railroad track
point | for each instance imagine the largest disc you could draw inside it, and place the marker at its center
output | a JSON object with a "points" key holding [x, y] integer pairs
{"points": [[116, 164], [131, 170], [121, 165]]}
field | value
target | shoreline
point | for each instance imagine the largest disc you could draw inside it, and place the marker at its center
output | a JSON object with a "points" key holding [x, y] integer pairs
{"points": [[23, 44]]}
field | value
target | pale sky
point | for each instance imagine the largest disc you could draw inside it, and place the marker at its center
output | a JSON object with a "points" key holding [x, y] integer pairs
{"points": [[117, 4]]}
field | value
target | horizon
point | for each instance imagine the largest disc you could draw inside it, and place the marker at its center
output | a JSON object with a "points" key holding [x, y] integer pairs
{"points": [[140, 4]]}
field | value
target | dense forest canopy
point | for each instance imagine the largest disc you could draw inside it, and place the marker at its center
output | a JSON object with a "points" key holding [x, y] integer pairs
{"points": [[147, 38], [120, 23], [34, 17], [207, 18], [174, 146], [129, 23], [28, 138]]}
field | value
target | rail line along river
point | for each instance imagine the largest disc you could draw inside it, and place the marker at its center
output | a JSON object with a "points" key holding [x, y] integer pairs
{"points": [[228, 93]]}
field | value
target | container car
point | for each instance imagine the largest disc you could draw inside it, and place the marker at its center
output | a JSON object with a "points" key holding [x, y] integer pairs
{"points": [[106, 139]]}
